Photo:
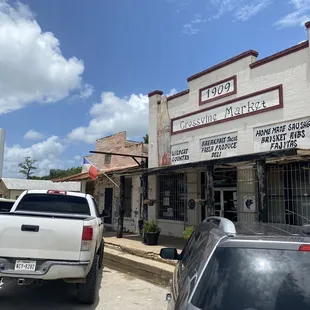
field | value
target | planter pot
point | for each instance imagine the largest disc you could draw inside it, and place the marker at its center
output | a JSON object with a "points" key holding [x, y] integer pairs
{"points": [[152, 238]]}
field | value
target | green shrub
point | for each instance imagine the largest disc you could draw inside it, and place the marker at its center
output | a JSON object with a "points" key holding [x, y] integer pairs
{"points": [[188, 231], [151, 227]]}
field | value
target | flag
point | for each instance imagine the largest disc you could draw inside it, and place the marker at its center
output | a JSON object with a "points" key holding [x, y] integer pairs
{"points": [[91, 169]]}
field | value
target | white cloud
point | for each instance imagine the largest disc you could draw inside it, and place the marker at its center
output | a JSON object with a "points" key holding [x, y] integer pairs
{"points": [[241, 9], [249, 10], [86, 91], [33, 135], [192, 26], [114, 114], [77, 158], [32, 67], [173, 91], [46, 153], [299, 15]]}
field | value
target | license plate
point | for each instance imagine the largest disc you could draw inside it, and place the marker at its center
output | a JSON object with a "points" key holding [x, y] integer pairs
{"points": [[22, 265]]}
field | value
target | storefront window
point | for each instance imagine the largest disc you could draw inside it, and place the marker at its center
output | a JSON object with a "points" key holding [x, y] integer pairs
{"points": [[172, 196]]}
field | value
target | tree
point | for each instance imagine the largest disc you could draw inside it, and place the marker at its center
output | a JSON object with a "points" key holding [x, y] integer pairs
{"points": [[59, 173], [27, 167], [146, 139]]}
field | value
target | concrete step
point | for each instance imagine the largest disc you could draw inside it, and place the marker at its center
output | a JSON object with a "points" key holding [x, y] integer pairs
{"points": [[140, 253], [145, 267]]}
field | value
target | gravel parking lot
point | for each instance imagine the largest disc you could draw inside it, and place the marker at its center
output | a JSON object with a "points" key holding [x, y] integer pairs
{"points": [[117, 291]]}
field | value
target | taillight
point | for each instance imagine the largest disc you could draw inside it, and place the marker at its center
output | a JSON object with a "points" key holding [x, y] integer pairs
{"points": [[304, 248], [87, 237], [56, 192], [87, 233]]}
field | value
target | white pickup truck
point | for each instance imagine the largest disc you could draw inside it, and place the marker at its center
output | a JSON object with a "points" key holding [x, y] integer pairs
{"points": [[50, 235]]}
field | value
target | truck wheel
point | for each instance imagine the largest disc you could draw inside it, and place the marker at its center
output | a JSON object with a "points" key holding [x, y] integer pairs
{"points": [[101, 254], [86, 292]]}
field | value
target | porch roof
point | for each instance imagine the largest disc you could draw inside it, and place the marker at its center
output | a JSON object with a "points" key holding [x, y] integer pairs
{"points": [[278, 156], [85, 176]]}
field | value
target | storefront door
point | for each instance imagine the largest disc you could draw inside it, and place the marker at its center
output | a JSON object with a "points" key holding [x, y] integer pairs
{"points": [[226, 203]]}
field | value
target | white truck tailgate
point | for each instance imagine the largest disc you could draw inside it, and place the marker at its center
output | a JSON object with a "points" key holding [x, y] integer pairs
{"points": [[40, 237]]}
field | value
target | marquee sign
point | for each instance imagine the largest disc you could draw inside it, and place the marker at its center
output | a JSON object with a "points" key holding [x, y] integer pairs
{"points": [[285, 135], [180, 153], [219, 146], [258, 102]]}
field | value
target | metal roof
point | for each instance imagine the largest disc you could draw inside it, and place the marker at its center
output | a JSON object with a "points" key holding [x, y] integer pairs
{"points": [[24, 184]]}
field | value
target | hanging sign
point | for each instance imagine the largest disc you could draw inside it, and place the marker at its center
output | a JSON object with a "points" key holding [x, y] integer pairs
{"points": [[291, 134], [219, 146], [258, 102], [180, 153]]}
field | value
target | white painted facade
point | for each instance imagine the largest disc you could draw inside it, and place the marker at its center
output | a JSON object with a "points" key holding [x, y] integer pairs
{"points": [[130, 223], [277, 88]]}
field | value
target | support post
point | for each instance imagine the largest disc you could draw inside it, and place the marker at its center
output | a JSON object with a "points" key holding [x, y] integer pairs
{"points": [[121, 211], [209, 190], [145, 196], [262, 190]]}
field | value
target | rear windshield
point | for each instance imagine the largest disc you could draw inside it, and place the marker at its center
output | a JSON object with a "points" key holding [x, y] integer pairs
{"points": [[255, 279], [53, 203], [6, 206]]}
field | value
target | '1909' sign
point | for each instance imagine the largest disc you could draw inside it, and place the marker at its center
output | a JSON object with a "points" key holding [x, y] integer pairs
{"points": [[218, 90]]}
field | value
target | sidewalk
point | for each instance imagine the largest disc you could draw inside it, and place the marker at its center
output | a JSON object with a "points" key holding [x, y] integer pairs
{"points": [[131, 253], [132, 243]]}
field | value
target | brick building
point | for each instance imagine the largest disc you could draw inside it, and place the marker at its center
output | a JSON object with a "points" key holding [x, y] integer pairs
{"points": [[106, 190]]}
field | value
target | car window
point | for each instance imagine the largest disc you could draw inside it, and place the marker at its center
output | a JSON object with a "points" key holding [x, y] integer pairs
{"points": [[189, 248], [256, 279], [6, 206], [53, 203]]}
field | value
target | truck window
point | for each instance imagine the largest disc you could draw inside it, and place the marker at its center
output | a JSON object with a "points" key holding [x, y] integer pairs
{"points": [[6, 206], [53, 203], [264, 279]]}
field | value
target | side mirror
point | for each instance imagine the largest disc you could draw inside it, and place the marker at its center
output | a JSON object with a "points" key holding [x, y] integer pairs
{"points": [[169, 253], [104, 213]]}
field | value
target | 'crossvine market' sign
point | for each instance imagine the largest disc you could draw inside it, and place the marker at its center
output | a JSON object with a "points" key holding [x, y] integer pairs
{"points": [[219, 146], [286, 135], [258, 102]]}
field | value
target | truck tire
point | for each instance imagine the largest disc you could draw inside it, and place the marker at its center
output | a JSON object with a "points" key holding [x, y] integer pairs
{"points": [[101, 254], [86, 292]]}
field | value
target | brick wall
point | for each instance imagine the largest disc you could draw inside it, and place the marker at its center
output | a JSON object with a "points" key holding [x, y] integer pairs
{"points": [[117, 144]]}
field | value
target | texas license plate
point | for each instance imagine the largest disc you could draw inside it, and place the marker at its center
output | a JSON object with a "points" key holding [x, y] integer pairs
{"points": [[22, 265]]}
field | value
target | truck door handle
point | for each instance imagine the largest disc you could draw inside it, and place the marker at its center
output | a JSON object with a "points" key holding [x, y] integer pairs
{"points": [[30, 228]]}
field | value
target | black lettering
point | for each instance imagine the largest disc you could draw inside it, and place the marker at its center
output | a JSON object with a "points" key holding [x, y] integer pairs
{"points": [[216, 154], [228, 112]]}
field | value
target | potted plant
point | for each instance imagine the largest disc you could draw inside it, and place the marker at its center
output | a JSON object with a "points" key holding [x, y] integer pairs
{"points": [[188, 232], [151, 232]]}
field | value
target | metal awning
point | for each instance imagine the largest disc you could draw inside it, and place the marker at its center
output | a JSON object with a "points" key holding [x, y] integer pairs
{"points": [[271, 157]]}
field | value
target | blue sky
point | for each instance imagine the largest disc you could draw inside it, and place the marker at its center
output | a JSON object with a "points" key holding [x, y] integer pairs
{"points": [[73, 71]]}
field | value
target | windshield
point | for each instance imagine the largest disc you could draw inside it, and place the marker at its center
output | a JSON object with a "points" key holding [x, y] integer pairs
{"points": [[51, 203], [255, 279]]}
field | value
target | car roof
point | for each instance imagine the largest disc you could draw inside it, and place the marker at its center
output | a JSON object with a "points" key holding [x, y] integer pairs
{"points": [[257, 231]]}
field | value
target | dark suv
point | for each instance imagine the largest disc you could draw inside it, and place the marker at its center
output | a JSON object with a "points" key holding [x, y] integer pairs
{"points": [[242, 267]]}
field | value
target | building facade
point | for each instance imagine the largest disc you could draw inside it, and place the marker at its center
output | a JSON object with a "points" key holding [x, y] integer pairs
{"points": [[105, 188], [11, 188], [235, 141]]}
